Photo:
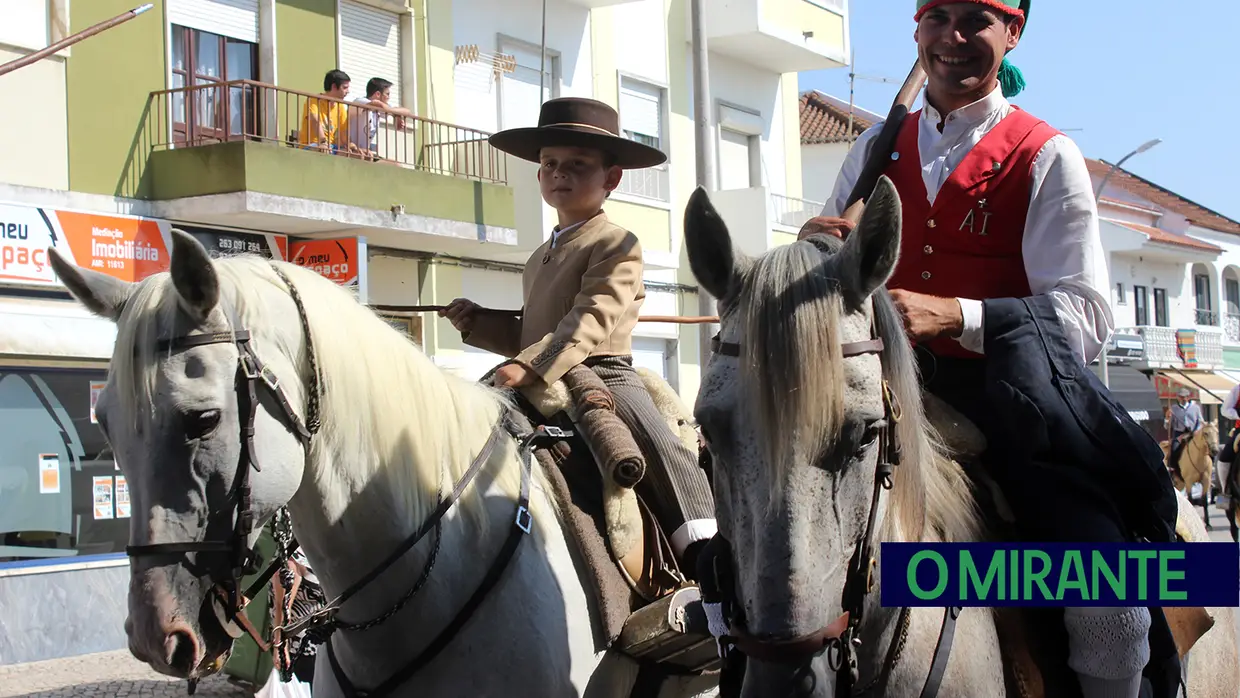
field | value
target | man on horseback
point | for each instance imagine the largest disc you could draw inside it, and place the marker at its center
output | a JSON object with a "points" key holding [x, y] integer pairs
{"points": [[582, 294], [1002, 282], [1183, 421]]}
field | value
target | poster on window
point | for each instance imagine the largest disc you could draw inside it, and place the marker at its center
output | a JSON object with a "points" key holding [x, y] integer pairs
{"points": [[103, 497], [95, 388], [122, 497], [49, 473]]}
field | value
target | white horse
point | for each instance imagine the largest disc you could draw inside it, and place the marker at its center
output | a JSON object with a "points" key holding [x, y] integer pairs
{"points": [[797, 405], [396, 434]]}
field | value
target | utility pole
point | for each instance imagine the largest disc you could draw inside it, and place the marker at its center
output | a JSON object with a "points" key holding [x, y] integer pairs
{"points": [[704, 140], [1104, 359]]}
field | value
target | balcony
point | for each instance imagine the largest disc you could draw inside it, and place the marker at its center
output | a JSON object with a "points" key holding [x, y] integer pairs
{"points": [[783, 36], [760, 220], [1167, 347], [239, 154]]}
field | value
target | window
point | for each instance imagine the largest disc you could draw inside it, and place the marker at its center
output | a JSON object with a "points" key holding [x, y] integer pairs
{"points": [[735, 153], [369, 48], [1161, 316], [1233, 296], [201, 59], [641, 120], [520, 100], [61, 494], [1141, 298], [1201, 290], [1120, 299]]}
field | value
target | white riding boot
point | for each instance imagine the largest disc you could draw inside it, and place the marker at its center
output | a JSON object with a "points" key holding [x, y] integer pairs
{"points": [[1108, 647]]}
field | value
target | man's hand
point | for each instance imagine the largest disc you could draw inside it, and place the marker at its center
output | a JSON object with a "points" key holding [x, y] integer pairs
{"points": [[826, 225], [928, 317], [461, 313], [513, 376]]}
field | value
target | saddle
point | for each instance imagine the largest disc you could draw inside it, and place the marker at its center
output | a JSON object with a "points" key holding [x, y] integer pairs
{"points": [[1033, 647], [645, 606]]}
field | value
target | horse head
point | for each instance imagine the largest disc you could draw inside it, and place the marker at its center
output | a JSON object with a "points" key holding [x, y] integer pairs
{"points": [[208, 454], [811, 389]]}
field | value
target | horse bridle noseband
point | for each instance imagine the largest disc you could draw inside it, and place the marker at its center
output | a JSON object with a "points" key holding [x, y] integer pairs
{"points": [[321, 624], [859, 582]]}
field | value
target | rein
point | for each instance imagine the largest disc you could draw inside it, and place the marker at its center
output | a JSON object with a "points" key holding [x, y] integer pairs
{"points": [[252, 373], [842, 644]]}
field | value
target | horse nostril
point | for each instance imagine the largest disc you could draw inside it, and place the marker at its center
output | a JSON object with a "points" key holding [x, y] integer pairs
{"points": [[181, 651]]}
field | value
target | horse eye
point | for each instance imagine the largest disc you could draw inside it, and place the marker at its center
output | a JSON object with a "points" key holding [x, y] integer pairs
{"points": [[872, 432], [200, 424]]}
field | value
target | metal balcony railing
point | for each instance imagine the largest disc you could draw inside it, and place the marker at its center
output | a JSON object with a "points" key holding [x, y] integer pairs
{"points": [[650, 183], [794, 212], [1231, 327], [1207, 317], [246, 110]]}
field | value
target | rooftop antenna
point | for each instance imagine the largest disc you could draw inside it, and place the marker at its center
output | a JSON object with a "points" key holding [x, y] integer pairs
{"points": [[853, 77]]}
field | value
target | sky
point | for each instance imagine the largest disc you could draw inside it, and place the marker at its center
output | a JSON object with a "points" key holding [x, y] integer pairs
{"points": [[1124, 72]]}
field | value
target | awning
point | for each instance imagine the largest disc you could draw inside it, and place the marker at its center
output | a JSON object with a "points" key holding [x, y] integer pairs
{"points": [[40, 328], [1211, 387], [1133, 390]]}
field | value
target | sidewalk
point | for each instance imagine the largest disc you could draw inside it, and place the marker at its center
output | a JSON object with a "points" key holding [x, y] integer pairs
{"points": [[106, 674]]}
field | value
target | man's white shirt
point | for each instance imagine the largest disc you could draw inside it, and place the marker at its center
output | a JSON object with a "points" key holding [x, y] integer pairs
{"points": [[1062, 249]]}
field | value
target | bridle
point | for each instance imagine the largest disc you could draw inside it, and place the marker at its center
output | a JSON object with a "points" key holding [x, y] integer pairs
{"points": [[321, 624], [251, 374], [841, 647]]}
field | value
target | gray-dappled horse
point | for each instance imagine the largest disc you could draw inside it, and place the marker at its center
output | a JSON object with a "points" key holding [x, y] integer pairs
{"points": [[811, 390], [239, 386]]}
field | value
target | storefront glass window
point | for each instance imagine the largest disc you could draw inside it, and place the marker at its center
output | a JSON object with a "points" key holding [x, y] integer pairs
{"points": [[61, 494]]}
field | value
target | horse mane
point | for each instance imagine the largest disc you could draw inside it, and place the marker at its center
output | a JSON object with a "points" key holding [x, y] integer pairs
{"points": [[386, 409], [790, 309]]}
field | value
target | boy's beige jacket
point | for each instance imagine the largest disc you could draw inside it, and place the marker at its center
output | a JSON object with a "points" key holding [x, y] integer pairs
{"points": [[580, 299]]}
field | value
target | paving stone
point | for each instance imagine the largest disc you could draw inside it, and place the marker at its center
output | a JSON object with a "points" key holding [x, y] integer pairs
{"points": [[103, 675]]}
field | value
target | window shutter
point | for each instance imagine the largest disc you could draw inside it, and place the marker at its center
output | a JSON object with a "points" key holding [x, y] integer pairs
{"points": [[236, 19], [369, 47], [640, 110]]}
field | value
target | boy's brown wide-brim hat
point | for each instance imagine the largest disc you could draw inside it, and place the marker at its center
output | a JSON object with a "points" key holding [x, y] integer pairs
{"points": [[579, 122]]}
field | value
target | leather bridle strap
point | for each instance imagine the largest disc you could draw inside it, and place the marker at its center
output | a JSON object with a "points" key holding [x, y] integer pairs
{"points": [[850, 349], [942, 650], [521, 526]]}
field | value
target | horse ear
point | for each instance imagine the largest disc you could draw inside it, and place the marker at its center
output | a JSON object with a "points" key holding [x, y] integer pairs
{"points": [[102, 295], [193, 276], [709, 245], [871, 251]]}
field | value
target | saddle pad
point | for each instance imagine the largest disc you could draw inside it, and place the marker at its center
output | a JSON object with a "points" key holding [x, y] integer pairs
{"points": [[577, 487]]}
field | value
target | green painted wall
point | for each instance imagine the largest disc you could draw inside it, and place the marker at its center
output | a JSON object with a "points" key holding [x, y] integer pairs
{"points": [[284, 171], [305, 43], [109, 78], [1231, 358]]}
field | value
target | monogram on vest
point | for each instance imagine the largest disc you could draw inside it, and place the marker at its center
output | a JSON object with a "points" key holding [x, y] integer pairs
{"points": [[967, 244]]}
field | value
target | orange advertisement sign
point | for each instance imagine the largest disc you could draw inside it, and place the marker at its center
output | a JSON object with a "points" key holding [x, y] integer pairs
{"points": [[125, 247], [338, 260]]}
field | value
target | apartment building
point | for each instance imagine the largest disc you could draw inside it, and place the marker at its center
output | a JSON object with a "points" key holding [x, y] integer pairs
{"points": [[191, 115]]}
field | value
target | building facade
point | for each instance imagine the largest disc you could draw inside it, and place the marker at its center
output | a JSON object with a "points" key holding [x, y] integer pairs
{"points": [[193, 115]]}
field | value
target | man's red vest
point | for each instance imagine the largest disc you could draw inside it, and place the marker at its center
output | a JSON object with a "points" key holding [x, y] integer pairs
{"points": [[968, 243]]}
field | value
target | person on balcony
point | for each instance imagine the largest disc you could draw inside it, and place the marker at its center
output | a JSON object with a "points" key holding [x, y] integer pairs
{"points": [[325, 123], [364, 123]]}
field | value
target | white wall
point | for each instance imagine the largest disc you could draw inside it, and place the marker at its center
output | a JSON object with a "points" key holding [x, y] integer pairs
{"points": [[482, 22], [747, 87], [640, 58], [820, 167], [1131, 270], [35, 150]]}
